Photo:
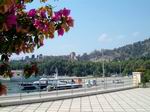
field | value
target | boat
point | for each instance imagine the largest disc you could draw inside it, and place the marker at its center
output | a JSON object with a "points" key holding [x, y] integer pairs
{"points": [[27, 86], [49, 84], [63, 85]]}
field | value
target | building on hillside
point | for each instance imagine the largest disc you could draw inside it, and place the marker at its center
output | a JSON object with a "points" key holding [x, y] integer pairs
{"points": [[27, 58], [17, 72], [39, 57], [73, 56], [33, 56], [17, 75]]}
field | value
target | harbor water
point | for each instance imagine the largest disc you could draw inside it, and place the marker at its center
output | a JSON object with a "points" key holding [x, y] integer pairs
{"points": [[13, 87]]}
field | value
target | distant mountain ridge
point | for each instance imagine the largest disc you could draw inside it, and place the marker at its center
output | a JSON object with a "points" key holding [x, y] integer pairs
{"points": [[135, 50]]}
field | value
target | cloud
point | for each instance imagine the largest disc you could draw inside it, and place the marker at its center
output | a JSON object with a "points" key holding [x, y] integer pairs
{"points": [[104, 38], [135, 34]]}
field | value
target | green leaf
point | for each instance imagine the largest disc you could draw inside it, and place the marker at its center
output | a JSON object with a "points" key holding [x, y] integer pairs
{"points": [[36, 39], [1, 1], [17, 1], [1, 18]]}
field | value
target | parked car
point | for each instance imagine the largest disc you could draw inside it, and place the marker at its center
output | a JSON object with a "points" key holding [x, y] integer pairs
{"points": [[90, 83]]}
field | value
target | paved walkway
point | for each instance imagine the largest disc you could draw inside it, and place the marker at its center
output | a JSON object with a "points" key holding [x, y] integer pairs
{"points": [[134, 100]]}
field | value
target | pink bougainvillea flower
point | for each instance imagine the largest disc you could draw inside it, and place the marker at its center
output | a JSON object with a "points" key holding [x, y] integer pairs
{"points": [[32, 13], [57, 16], [66, 12], [10, 21], [20, 6], [43, 14], [45, 27], [37, 23], [60, 12], [60, 32]]}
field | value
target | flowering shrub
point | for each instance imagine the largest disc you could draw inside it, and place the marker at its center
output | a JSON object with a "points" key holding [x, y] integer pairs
{"points": [[23, 31]]}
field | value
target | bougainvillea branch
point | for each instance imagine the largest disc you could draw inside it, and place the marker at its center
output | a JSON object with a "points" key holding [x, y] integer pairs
{"points": [[23, 31]]}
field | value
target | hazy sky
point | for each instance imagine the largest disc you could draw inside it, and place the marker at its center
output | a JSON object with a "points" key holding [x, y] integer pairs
{"points": [[99, 24]]}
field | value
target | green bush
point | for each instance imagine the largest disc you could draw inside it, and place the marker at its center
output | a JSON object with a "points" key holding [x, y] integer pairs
{"points": [[146, 77]]}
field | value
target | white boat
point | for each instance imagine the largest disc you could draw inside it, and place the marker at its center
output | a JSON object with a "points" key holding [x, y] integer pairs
{"points": [[50, 84], [50, 81], [61, 86]]}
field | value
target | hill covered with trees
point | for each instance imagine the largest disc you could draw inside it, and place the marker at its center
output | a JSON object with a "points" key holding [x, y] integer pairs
{"points": [[122, 61], [135, 50], [85, 68]]}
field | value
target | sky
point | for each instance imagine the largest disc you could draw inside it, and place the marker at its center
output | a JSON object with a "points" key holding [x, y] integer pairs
{"points": [[98, 24]]}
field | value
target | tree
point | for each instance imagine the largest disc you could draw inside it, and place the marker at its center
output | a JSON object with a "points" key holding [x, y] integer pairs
{"points": [[23, 31], [145, 77]]}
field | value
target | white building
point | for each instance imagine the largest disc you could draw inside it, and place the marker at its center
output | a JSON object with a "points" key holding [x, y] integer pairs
{"points": [[73, 56], [17, 75]]}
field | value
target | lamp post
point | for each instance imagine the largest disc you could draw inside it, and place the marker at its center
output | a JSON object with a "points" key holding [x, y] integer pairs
{"points": [[103, 65], [103, 68], [120, 68]]}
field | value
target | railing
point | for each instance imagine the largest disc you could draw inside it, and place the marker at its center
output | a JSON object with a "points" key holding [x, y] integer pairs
{"points": [[89, 85]]}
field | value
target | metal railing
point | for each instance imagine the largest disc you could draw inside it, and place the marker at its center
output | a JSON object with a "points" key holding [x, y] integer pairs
{"points": [[87, 85]]}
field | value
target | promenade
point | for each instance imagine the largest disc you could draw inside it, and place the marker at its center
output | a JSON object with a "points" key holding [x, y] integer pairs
{"points": [[36, 97], [133, 100]]}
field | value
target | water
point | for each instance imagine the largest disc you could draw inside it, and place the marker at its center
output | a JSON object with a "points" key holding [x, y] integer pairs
{"points": [[13, 87]]}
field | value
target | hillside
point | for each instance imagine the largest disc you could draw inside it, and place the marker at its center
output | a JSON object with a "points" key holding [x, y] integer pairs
{"points": [[135, 50]]}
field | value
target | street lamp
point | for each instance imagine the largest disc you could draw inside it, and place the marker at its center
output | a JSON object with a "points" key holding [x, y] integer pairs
{"points": [[103, 68], [103, 65], [119, 68]]}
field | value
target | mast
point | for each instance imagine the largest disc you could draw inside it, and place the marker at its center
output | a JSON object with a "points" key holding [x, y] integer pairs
{"points": [[56, 73]]}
